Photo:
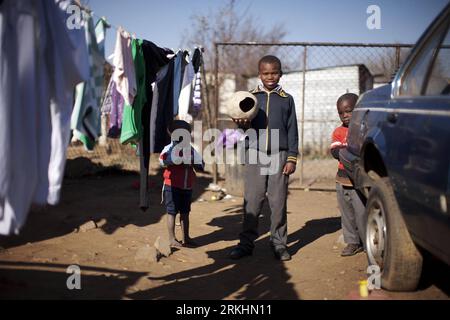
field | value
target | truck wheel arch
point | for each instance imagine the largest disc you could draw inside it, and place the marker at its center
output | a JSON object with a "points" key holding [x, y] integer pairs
{"points": [[373, 163]]}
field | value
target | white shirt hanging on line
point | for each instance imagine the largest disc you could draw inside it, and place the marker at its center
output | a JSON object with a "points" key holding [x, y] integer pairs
{"points": [[184, 100], [35, 127], [124, 74]]}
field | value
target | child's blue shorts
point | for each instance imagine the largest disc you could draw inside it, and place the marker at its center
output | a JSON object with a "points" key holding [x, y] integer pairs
{"points": [[177, 200]]}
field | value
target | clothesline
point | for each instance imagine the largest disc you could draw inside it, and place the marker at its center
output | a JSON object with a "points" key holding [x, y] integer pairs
{"points": [[65, 97], [117, 28], [89, 11]]}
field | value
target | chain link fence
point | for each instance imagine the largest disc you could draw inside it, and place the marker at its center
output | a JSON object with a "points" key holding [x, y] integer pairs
{"points": [[315, 74], [110, 155]]}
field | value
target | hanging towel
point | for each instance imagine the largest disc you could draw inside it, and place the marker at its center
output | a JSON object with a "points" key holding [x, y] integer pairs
{"points": [[86, 114], [132, 113]]}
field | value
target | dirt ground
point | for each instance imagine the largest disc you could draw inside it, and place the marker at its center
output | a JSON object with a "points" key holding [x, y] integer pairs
{"points": [[33, 265]]}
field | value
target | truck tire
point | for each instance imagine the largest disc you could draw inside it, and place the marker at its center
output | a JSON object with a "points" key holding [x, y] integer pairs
{"points": [[388, 242]]}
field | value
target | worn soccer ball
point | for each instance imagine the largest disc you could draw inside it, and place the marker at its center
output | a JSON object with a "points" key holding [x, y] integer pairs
{"points": [[242, 105]]}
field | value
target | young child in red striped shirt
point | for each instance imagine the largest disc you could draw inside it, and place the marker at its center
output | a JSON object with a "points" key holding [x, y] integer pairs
{"points": [[179, 178], [350, 202]]}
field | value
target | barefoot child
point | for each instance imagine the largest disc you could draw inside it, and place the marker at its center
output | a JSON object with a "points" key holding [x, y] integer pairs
{"points": [[179, 176]]}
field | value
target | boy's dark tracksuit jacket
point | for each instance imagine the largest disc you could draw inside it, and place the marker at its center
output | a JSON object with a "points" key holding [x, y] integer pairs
{"points": [[276, 111]]}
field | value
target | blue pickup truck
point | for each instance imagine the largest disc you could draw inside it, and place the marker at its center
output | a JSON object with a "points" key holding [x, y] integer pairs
{"points": [[398, 156]]}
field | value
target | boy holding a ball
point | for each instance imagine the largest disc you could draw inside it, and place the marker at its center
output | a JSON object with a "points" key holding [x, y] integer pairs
{"points": [[277, 139]]}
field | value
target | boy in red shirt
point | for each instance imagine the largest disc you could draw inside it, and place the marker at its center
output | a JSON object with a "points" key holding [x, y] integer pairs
{"points": [[350, 202], [179, 177]]}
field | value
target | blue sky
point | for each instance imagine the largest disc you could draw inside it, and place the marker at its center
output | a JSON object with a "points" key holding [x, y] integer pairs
{"points": [[165, 22]]}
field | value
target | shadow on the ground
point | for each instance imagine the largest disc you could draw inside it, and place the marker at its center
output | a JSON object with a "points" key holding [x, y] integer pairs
{"points": [[256, 277], [311, 231], [23, 280], [434, 272], [108, 196], [260, 276]]}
